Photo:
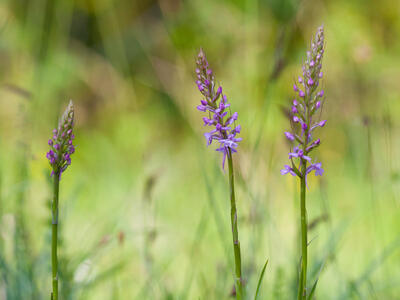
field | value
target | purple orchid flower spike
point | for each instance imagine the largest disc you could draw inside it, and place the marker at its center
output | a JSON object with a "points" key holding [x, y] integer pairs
{"points": [[61, 143], [224, 131], [304, 123], [303, 111], [216, 104], [59, 156]]}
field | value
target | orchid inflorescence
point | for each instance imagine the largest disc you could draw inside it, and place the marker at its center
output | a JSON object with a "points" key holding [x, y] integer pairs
{"points": [[305, 106], [61, 146], [216, 103]]}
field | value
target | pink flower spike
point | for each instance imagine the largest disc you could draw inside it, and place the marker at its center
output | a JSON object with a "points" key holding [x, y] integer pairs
{"points": [[220, 117], [60, 145], [303, 115]]}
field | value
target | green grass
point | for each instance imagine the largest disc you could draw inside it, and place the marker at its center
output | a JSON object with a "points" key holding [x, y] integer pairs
{"points": [[129, 67]]}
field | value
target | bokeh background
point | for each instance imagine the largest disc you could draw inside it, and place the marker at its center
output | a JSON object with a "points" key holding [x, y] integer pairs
{"points": [[144, 207]]}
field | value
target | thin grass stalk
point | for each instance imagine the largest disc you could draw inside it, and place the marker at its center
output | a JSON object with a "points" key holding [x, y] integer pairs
{"points": [[303, 224], [54, 237], [235, 233]]}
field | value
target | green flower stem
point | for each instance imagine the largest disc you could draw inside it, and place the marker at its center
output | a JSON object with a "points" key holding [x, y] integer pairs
{"points": [[303, 211], [54, 233], [235, 234]]}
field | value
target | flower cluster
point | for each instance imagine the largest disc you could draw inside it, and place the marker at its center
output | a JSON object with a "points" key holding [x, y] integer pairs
{"points": [[306, 104], [215, 102], [61, 147]]}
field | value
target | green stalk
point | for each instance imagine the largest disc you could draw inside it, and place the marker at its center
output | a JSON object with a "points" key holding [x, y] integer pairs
{"points": [[235, 234], [303, 220], [54, 229]]}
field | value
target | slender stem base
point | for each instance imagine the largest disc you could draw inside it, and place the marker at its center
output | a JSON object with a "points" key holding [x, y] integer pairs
{"points": [[235, 234], [54, 234], [303, 211]]}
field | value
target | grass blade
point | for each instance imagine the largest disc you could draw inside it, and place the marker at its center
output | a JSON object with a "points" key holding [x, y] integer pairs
{"points": [[315, 283], [260, 280]]}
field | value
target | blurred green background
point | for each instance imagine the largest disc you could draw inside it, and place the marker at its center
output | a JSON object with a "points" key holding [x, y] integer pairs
{"points": [[144, 207]]}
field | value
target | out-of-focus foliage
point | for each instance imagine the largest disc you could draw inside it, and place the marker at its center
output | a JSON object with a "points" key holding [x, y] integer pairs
{"points": [[144, 206]]}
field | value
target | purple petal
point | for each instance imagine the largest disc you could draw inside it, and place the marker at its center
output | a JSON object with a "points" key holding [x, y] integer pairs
{"points": [[208, 137], [289, 136], [284, 172], [201, 108]]}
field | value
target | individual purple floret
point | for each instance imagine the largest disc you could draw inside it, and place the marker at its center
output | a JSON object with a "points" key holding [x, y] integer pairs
{"points": [[303, 112], [61, 147], [215, 102]]}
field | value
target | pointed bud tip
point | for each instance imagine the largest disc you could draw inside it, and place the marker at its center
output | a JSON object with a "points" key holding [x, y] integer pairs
{"points": [[201, 53]]}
